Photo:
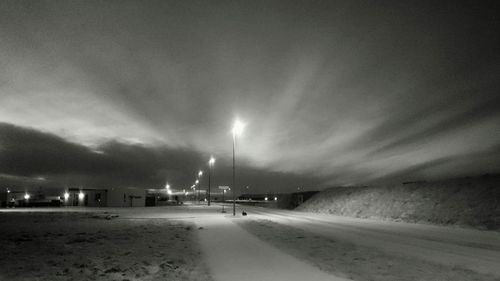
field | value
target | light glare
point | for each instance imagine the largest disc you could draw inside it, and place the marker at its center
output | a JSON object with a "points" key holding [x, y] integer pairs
{"points": [[238, 127]]}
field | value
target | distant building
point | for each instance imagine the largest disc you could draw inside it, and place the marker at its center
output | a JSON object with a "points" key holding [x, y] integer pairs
{"points": [[86, 197]]}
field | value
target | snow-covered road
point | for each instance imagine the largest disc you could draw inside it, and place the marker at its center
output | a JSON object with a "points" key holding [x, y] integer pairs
{"points": [[451, 246], [234, 254]]}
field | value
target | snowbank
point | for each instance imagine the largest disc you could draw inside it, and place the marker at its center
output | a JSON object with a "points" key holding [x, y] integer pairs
{"points": [[473, 202]]}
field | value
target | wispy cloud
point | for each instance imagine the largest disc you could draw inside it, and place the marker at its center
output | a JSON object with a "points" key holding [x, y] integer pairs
{"points": [[342, 91]]}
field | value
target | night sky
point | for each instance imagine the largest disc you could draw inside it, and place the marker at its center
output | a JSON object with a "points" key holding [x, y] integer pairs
{"points": [[135, 93]]}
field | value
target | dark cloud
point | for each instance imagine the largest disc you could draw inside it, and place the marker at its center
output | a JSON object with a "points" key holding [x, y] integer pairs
{"points": [[30, 157]]}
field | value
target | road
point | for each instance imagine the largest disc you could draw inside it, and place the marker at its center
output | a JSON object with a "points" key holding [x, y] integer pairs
{"points": [[466, 248], [234, 254]]}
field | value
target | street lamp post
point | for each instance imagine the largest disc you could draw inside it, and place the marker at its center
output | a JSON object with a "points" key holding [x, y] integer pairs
{"points": [[223, 192], [196, 194], [237, 130], [210, 165], [200, 173]]}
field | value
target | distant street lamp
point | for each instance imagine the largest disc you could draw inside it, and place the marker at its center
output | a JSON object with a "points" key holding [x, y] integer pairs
{"points": [[237, 131], [223, 192], [169, 192], [210, 166], [198, 181]]}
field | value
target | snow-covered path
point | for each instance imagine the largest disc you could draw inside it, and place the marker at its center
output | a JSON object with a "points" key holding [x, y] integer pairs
{"points": [[234, 254]]}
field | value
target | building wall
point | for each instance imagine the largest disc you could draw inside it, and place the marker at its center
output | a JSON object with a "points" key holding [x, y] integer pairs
{"points": [[92, 198], [96, 198], [126, 197]]}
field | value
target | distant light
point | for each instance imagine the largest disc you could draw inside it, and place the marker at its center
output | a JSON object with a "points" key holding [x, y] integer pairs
{"points": [[200, 173], [275, 198], [211, 161], [81, 195], [197, 181], [238, 128], [66, 196], [265, 198], [169, 191], [167, 186], [27, 196], [205, 199], [8, 190]]}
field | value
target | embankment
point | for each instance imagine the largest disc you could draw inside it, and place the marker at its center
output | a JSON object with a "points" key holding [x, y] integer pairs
{"points": [[471, 202]]}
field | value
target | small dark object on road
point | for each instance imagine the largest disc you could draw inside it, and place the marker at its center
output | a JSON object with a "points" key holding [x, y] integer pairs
{"points": [[244, 213]]}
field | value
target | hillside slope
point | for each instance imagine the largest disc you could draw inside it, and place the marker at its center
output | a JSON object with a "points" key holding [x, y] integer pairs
{"points": [[473, 202]]}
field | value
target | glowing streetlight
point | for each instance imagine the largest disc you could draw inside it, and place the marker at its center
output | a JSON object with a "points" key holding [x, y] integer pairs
{"points": [[210, 166], [237, 131], [81, 195], [200, 173], [26, 196], [66, 196], [238, 128]]}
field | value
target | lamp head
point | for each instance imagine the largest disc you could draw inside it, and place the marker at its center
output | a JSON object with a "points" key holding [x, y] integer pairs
{"points": [[238, 127]]}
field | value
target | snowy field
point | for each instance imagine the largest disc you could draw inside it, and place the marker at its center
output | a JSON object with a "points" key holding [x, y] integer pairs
{"points": [[199, 243], [77, 244]]}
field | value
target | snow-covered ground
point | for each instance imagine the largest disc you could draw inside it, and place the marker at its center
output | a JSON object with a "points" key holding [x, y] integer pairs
{"points": [[472, 202], [79, 244], [199, 243], [363, 249]]}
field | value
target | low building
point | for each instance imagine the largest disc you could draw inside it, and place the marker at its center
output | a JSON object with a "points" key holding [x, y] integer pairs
{"points": [[84, 197]]}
